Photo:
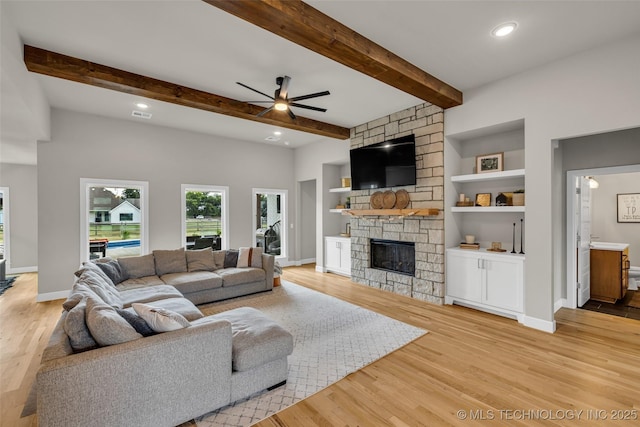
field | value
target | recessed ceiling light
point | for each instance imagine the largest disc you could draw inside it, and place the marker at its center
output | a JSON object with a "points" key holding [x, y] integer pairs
{"points": [[277, 132], [505, 29], [142, 105], [287, 143]]}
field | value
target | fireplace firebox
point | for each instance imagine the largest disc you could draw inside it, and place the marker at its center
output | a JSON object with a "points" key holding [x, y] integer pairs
{"points": [[393, 255]]}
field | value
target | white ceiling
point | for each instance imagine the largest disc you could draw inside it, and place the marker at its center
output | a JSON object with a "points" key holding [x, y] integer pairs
{"points": [[194, 44]]}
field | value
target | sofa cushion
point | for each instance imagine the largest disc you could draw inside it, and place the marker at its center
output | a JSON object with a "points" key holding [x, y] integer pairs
{"points": [[96, 283], [75, 326], [170, 261], [78, 292], [218, 258], [113, 270], [139, 282], [138, 266], [256, 338], [137, 322], [148, 294], [200, 260], [249, 257], [161, 319], [106, 325], [238, 276], [230, 258], [180, 305], [193, 281]]}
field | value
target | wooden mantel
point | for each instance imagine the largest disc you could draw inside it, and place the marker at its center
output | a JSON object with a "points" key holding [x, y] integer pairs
{"points": [[393, 212]]}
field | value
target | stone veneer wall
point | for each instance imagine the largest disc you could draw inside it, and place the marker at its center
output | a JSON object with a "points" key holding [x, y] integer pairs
{"points": [[426, 122]]}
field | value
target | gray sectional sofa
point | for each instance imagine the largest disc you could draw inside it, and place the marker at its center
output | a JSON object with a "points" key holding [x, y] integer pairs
{"points": [[108, 362]]}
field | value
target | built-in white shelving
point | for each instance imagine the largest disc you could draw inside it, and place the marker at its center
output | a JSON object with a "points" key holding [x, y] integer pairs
{"points": [[487, 209], [337, 210], [340, 190], [489, 176]]}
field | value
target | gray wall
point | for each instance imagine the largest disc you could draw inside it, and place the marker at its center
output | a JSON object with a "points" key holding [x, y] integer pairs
{"points": [[23, 189], [88, 146], [604, 212]]}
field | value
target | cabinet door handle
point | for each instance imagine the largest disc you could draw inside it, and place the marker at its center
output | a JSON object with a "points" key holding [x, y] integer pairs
{"points": [[479, 263]]}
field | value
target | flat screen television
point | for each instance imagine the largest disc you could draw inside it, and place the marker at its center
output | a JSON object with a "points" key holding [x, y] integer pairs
{"points": [[390, 163]]}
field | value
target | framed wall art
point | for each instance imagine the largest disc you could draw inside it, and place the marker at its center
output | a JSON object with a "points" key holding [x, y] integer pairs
{"points": [[490, 163], [629, 207]]}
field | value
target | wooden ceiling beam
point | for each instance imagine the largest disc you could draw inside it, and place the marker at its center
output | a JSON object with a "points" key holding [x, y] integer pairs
{"points": [[79, 70], [300, 23]]}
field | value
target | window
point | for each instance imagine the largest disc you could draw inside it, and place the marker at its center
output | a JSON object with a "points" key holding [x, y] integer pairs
{"points": [[114, 218], [204, 216], [4, 225], [270, 220]]}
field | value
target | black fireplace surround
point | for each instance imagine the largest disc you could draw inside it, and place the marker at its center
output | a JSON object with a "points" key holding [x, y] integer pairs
{"points": [[393, 255]]}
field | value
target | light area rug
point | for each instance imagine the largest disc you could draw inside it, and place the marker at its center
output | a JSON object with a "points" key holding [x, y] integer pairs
{"points": [[332, 339]]}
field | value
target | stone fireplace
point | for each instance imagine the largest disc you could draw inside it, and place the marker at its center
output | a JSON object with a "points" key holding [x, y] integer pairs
{"points": [[425, 233]]}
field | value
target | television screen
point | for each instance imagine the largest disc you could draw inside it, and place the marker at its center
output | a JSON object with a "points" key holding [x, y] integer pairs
{"points": [[390, 163]]}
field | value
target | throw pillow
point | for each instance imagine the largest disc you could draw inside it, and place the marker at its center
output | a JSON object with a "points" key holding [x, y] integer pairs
{"points": [[106, 326], [91, 266], [79, 291], [256, 258], [76, 328], [137, 322], [107, 293], [113, 271], [249, 257], [244, 257], [231, 258], [170, 261], [138, 266], [160, 319]]}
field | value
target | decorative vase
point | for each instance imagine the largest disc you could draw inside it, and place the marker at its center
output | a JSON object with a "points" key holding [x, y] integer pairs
{"points": [[518, 199]]}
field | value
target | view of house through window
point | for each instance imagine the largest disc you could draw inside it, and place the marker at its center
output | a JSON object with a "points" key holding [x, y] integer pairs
{"points": [[114, 221], [204, 220], [269, 216]]}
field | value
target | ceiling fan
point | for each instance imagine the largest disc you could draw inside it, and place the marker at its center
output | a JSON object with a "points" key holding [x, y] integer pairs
{"points": [[281, 100]]}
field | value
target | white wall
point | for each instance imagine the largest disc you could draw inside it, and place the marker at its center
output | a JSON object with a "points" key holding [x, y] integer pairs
{"points": [[310, 161], [588, 93], [23, 189], [604, 212], [88, 146], [307, 227]]}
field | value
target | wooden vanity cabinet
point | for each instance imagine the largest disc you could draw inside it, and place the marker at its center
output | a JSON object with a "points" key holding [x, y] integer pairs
{"points": [[609, 274]]}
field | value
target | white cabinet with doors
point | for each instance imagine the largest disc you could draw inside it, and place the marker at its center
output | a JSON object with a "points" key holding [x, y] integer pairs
{"points": [[490, 281], [337, 254]]}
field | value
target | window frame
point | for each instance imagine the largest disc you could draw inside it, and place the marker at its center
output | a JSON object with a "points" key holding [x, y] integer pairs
{"points": [[284, 228]]}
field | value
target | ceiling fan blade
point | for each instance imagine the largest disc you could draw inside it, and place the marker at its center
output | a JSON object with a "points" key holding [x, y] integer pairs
{"points": [[311, 95], [257, 91], [265, 111], [308, 107], [293, 116], [284, 87]]}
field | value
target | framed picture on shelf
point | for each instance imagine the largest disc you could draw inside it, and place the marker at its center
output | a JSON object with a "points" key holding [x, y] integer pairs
{"points": [[490, 163], [483, 199], [629, 207]]}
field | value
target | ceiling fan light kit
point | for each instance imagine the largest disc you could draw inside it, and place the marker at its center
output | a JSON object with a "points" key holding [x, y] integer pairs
{"points": [[281, 100]]}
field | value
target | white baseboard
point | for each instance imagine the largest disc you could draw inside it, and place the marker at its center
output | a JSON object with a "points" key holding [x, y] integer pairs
{"points": [[562, 302], [320, 269], [50, 296], [20, 270], [539, 324], [306, 261]]}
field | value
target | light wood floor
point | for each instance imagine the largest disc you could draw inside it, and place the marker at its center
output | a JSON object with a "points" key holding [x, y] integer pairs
{"points": [[494, 370]]}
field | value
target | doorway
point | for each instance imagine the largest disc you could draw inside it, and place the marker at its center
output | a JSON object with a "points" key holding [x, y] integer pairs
{"points": [[270, 220], [581, 234]]}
